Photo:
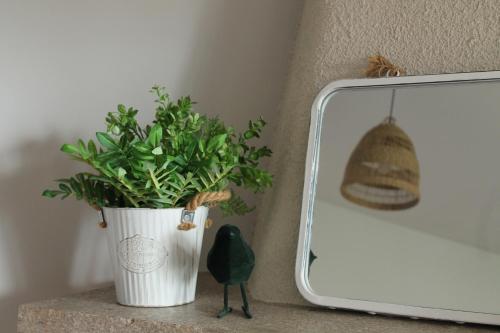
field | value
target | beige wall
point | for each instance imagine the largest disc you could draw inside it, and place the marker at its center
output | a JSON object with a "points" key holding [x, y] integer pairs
{"points": [[64, 64], [335, 37]]}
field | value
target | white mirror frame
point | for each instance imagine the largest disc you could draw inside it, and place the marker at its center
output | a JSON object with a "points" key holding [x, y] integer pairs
{"points": [[311, 171]]}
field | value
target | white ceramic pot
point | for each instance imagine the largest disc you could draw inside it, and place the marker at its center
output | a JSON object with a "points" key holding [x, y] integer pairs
{"points": [[154, 263]]}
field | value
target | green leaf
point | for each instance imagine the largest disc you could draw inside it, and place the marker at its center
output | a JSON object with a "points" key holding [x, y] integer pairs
{"points": [[201, 145], [143, 157], [190, 149], [148, 166], [155, 135], [65, 188], [106, 141], [142, 147], [75, 186], [121, 172], [249, 134], [181, 178], [216, 142], [51, 193], [92, 147], [70, 149], [157, 151], [205, 182], [153, 179], [84, 153]]}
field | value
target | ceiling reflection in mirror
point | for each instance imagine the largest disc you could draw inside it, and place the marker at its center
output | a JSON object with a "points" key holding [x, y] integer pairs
{"points": [[440, 252]]}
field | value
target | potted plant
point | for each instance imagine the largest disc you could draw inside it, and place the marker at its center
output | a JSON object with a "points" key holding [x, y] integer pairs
{"points": [[154, 184]]}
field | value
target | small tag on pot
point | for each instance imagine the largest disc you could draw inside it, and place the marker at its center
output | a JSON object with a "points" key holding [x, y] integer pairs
{"points": [[187, 216]]}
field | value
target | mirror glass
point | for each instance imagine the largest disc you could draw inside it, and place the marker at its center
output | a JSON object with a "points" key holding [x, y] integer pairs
{"points": [[443, 252]]}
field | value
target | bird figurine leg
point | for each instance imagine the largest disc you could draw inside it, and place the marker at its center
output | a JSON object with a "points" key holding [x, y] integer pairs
{"points": [[245, 307], [226, 308]]}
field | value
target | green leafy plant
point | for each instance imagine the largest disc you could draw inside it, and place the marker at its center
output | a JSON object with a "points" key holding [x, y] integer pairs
{"points": [[163, 165]]}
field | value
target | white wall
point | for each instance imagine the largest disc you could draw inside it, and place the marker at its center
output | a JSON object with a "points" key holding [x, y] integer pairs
{"points": [[64, 64]]}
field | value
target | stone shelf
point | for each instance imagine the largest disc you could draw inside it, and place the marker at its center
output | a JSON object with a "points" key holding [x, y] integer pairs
{"points": [[96, 311]]}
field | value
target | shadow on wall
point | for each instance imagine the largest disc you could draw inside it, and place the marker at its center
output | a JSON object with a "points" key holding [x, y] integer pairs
{"points": [[40, 235], [221, 76]]}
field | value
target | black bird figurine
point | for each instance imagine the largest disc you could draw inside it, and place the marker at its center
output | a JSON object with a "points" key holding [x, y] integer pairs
{"points": [[231, 261]]}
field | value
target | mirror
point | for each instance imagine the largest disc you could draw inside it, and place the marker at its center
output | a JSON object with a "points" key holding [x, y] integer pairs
{"points": [[432, 251]]}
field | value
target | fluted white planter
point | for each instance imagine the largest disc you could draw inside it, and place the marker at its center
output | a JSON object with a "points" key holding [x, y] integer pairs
{"points": [[154, 263]]}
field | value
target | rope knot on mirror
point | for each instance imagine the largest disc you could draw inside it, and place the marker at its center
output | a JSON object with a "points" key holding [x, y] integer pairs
{"points": [[379, 66]]}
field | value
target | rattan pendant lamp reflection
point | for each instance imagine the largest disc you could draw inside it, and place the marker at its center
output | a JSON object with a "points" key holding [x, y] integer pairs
{"points": [[383, 170]]}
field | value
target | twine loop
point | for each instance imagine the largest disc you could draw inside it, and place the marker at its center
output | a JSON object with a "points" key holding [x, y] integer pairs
{"points": [[379, 66]]}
